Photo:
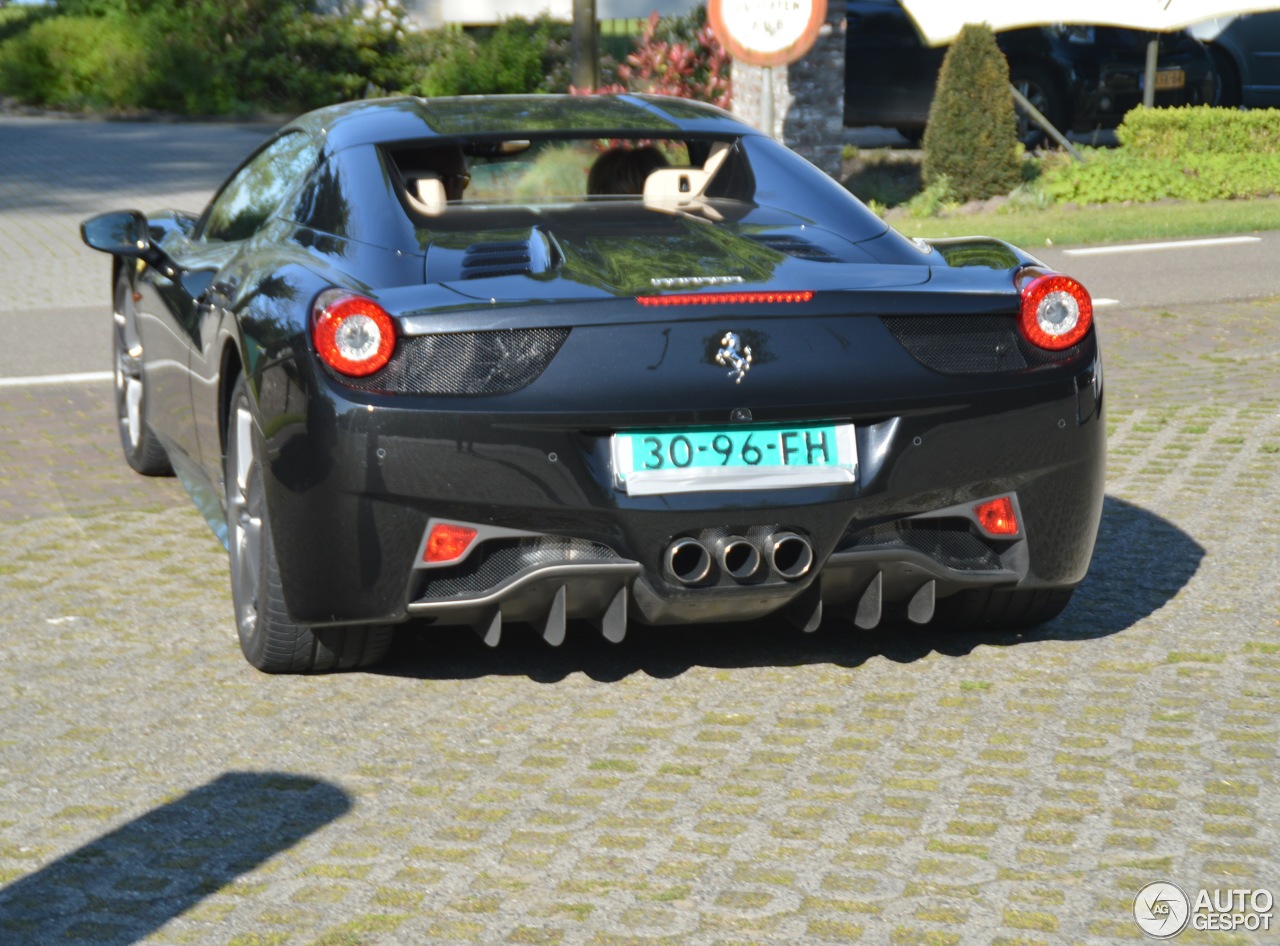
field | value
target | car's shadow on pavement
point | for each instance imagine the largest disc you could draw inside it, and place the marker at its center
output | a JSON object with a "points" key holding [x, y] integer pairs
{"points": [[123, 886], [1141, 562]]}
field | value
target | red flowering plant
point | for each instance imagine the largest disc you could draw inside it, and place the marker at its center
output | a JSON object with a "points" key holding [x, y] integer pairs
{"points": [[678, 56]]}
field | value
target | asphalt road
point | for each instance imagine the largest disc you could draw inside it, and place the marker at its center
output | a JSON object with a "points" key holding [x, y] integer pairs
{"points": [[726, 785], [1174, 272]]}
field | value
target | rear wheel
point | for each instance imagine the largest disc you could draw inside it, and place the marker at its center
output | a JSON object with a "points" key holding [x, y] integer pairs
{"points": [[269, 638], [1227, 81], [142, 450], [1041, 91], [1000, 609]]}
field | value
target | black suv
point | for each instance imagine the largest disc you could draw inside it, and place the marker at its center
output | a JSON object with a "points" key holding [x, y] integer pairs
{"points": [[1081, 77]]}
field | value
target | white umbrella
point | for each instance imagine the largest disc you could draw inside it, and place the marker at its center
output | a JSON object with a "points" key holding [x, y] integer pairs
{"points": [[940, 21]]}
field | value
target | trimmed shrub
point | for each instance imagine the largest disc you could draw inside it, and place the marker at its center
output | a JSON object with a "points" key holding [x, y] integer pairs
{"points": [[1117, 176], [1199, 129], [972, 134], [1195, 153]]}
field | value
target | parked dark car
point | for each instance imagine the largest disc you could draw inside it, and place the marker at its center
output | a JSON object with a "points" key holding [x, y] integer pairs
{"points": [[1081, 77], [496, 360], [1247, 56]]}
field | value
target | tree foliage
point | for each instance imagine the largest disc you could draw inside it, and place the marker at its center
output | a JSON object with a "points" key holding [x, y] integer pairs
{"points": [[972, 135], [204, 57]]}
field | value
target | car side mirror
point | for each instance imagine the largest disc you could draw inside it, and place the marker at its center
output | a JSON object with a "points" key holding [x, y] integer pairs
{"points": [[120, 233]]}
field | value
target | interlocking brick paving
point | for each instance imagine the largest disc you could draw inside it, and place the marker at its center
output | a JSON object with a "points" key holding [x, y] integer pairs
{"points": [[724, 785]]}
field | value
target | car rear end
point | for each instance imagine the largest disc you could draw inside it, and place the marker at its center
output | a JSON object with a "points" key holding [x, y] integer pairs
{"points": [[698, 455]]}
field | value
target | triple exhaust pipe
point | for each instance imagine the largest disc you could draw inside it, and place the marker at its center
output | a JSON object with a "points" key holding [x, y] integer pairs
{"points": [[689, 561]]}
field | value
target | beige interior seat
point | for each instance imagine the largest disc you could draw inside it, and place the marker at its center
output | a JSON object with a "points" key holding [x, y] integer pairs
{"points": [[426, 193], [669, 188]]}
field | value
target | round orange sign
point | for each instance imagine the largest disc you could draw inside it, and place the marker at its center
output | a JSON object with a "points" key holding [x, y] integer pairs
{"points": [[767, 32]]}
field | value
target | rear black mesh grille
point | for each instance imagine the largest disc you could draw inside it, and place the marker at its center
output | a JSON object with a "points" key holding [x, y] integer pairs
{"points": [[498, 561], [466, 362], [950, 542], [970, 344], [496, 259]]}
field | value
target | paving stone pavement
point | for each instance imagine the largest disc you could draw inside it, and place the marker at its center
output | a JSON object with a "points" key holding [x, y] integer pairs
{"points": [[730, 785]]}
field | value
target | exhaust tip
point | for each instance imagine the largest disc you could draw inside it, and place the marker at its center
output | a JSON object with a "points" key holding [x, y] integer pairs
{"points": [[738, 557], [791, 555], [687, 561]]}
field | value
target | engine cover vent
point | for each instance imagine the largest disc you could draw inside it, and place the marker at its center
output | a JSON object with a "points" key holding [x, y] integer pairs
{"points": [[794, 246], [483, 260]]}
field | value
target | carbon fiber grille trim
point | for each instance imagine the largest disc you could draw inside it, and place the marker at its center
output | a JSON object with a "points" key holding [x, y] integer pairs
{"points": [[970, 344], [949, 542], [498, 561], [472, 363]]}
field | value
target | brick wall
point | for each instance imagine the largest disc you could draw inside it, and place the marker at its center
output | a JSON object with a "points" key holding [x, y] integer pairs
{"points": [[808, 110]]}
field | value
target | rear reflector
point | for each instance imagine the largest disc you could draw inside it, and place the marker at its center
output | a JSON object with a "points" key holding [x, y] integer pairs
{"points": [[447, 543], [996, 516], [727, 298]]}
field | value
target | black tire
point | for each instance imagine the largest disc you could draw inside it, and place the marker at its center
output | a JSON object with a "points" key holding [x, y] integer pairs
{"points": [[269, 638], [142, 449], [1000, 609], [1227, 84], [1043, 91]]}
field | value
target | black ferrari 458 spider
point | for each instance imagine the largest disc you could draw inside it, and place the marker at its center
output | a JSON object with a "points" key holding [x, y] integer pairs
{"points": [[614, 359]]}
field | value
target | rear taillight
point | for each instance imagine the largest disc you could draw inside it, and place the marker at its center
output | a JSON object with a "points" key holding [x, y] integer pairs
{"points": [[353, 335], [1056, 312]]}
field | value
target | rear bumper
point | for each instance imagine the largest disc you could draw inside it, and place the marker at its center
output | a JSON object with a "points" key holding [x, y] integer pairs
{"points": [[354, 484]]}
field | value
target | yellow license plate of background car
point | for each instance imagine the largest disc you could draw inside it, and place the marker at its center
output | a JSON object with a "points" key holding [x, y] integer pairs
{"points": [[1171, 79]]}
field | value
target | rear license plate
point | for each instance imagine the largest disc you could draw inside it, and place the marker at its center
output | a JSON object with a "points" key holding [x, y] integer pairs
{"points": [[653, 462], [1166, 79]]}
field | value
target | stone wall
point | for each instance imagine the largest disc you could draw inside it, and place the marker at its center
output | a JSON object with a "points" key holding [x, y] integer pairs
{"points": [[808, 96]]}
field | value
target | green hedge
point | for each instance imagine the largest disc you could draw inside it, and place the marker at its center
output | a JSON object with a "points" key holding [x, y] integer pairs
{"points": [[1171, 133], [1118, 176], [1196, 153]]}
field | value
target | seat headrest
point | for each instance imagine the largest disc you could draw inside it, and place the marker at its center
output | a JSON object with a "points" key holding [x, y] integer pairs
{"points": [[426, 193]]}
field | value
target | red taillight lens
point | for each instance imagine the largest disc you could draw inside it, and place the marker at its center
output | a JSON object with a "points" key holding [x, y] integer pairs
{"points": [[1056, 312], [353, 335], [997, 517], [447, 543], [727, 298]]}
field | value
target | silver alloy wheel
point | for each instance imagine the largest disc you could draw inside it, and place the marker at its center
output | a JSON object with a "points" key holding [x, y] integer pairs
{"points": [[244, 518], [128, 352]]}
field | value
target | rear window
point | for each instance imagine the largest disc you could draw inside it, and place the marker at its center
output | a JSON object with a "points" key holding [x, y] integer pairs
{"points": [[542, 171]]}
